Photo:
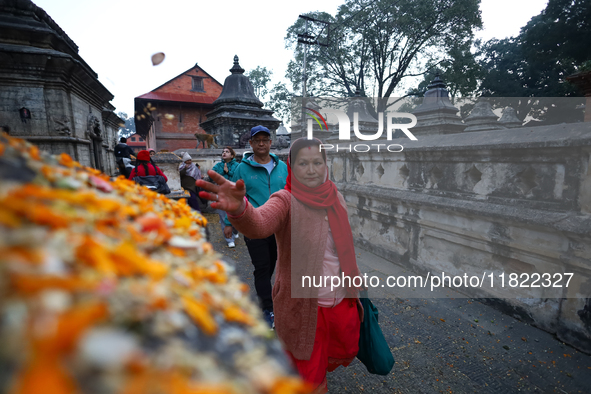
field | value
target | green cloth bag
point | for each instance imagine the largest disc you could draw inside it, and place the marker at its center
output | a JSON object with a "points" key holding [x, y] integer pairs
{"points": [[374, 351]]}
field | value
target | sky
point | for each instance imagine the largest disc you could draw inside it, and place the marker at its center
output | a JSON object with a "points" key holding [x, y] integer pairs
{"points": [[118, 37]]}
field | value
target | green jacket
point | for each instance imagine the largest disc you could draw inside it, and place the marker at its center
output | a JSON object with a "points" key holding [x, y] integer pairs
{"points": [[259, 184], [232, 166]]}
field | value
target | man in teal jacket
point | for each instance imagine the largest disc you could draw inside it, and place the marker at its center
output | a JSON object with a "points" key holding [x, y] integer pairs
{"points": [[263, 174]]}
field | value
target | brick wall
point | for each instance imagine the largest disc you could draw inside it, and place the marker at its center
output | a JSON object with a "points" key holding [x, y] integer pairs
{"points": [[183, 84], [138, 144], [177, 132]]}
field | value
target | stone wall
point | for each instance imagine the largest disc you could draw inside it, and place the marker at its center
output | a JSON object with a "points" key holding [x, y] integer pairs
{"points": [[41, 70], [513, 201], [169, 164]]}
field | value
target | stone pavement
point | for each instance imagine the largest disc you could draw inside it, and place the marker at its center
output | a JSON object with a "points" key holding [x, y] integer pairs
{"points": [[446, 344]]}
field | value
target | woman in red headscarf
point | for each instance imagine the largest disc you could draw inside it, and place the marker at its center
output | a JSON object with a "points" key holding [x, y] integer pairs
{"points": [[318, 323], [144, 166]]}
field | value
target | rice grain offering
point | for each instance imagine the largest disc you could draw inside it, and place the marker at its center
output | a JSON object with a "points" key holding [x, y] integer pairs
{"points": [[108, 287]]}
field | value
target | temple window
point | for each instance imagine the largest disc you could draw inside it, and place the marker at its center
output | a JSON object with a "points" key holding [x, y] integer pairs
{"points": [[197, 84]]}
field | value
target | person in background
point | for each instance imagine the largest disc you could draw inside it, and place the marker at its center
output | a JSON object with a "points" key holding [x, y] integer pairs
{"points": [[152, 154], [318, 326], [123, 156], [226, 168], [144, 167], [189, 174], [263, 174]]}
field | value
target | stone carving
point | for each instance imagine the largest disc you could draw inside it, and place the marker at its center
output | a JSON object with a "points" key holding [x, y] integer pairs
{"points": [[526, 180], [404, 172], [61, 124], [473, 176], [380, 171], [93, 133], [93, 127], [282, 142], [243, 142]]}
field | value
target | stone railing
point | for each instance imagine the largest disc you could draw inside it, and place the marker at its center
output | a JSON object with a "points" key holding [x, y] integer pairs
{"points": [[513, 201]]}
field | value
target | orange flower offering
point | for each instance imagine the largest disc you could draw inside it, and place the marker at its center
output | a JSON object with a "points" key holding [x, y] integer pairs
{"points": [[107, 286]]}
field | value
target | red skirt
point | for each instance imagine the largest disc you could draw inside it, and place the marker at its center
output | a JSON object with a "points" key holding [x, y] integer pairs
{"points": [[336, 343]]}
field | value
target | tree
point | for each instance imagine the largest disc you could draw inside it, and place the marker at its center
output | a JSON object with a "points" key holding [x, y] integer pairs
{"points": [[534, 65], [129, 127], [277, 98], [260, 77], [561, 31], [280, 102], [461, 74], [375, 44]]}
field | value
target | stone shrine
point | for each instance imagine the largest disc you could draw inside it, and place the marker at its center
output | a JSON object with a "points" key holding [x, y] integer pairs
{"points": [[50, 96], [437, 115], [236, 111], [482, 118], [509, 118]]}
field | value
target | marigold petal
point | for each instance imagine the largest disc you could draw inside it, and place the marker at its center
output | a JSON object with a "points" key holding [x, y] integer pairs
{"points": [[44, 376], [200, 315]]}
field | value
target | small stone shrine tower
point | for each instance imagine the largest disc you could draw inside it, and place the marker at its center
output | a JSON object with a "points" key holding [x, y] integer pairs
{"points": [[367, 124], [236, 111], [509, 118], [437, 115], [482, 117]]}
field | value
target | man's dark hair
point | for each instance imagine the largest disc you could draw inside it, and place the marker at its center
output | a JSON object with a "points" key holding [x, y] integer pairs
{"points": [[123, 140], [5, 129]]}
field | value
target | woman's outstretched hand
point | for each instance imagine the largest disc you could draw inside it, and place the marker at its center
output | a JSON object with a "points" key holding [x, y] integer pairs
{"points": [[226, 195]]}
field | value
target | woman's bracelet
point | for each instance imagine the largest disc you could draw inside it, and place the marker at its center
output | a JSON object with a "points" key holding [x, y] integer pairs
{"points": [[243, 211]]}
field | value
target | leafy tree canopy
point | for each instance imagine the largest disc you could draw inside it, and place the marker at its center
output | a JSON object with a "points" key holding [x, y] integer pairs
{"points": [[129, 128], [461, 73], [260, 78], [375, 44], [561, 31], [550, 47], [276, 97]]}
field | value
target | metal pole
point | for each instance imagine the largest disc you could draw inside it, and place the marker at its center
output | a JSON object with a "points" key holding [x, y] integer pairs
{"points": [[304, 76]]}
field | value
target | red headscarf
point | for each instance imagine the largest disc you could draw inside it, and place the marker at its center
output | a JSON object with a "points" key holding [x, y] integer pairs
{"points": [[143, 155], [325, 196]]}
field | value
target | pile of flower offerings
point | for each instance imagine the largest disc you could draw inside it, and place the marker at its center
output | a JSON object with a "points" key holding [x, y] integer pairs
{"points": [[108, 287]]}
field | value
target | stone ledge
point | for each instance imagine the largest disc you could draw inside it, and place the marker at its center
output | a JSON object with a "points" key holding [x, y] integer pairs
{"points": [[57, 138], [555, 136], [561, 221]]}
